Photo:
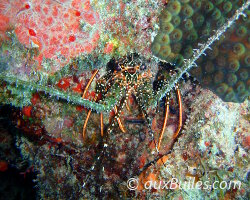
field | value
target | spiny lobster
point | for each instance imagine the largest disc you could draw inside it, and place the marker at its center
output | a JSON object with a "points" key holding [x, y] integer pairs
{"points": [[130, 77]]}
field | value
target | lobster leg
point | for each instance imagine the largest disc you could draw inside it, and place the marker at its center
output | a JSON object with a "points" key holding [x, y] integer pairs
{"points": [[90, 81], [119, 121], [89, 112], [165, 122], [166, 116], [101, 121], [180, 113], [116, 111], [85, 124], [123, 102], [127, 106], [87, 119]]}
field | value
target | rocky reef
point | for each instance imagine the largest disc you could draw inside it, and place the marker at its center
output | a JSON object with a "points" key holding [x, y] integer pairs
{"points": [[90, 84]]}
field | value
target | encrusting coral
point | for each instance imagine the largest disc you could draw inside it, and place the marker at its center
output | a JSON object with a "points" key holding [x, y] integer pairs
{"points": [[53, 27]]}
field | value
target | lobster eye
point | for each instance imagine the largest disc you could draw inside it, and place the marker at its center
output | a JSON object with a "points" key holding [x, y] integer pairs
{"points": [[118, 68], [143, 67]]}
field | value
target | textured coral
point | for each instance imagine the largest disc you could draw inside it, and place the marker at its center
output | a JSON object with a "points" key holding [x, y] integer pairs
{"points": [[225, 69], [128, 25], [65, 29], [57, 28], [184, 26], [213, 147], [219, 131]]}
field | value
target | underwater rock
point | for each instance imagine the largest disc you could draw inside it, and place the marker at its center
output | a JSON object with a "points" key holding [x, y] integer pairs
{"points": [[216, 148]]}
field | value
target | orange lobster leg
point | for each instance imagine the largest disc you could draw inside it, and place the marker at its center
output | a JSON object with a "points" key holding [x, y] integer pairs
{"points": [[119, 121], [90, 81], [127, 106], [87, 119], [85, 124], [165, 123], [89, 112], [180, 113], [101, 121]]}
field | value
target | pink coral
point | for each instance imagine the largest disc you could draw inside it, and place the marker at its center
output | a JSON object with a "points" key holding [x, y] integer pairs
{"points": [[53, 26], [4, 25]]}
